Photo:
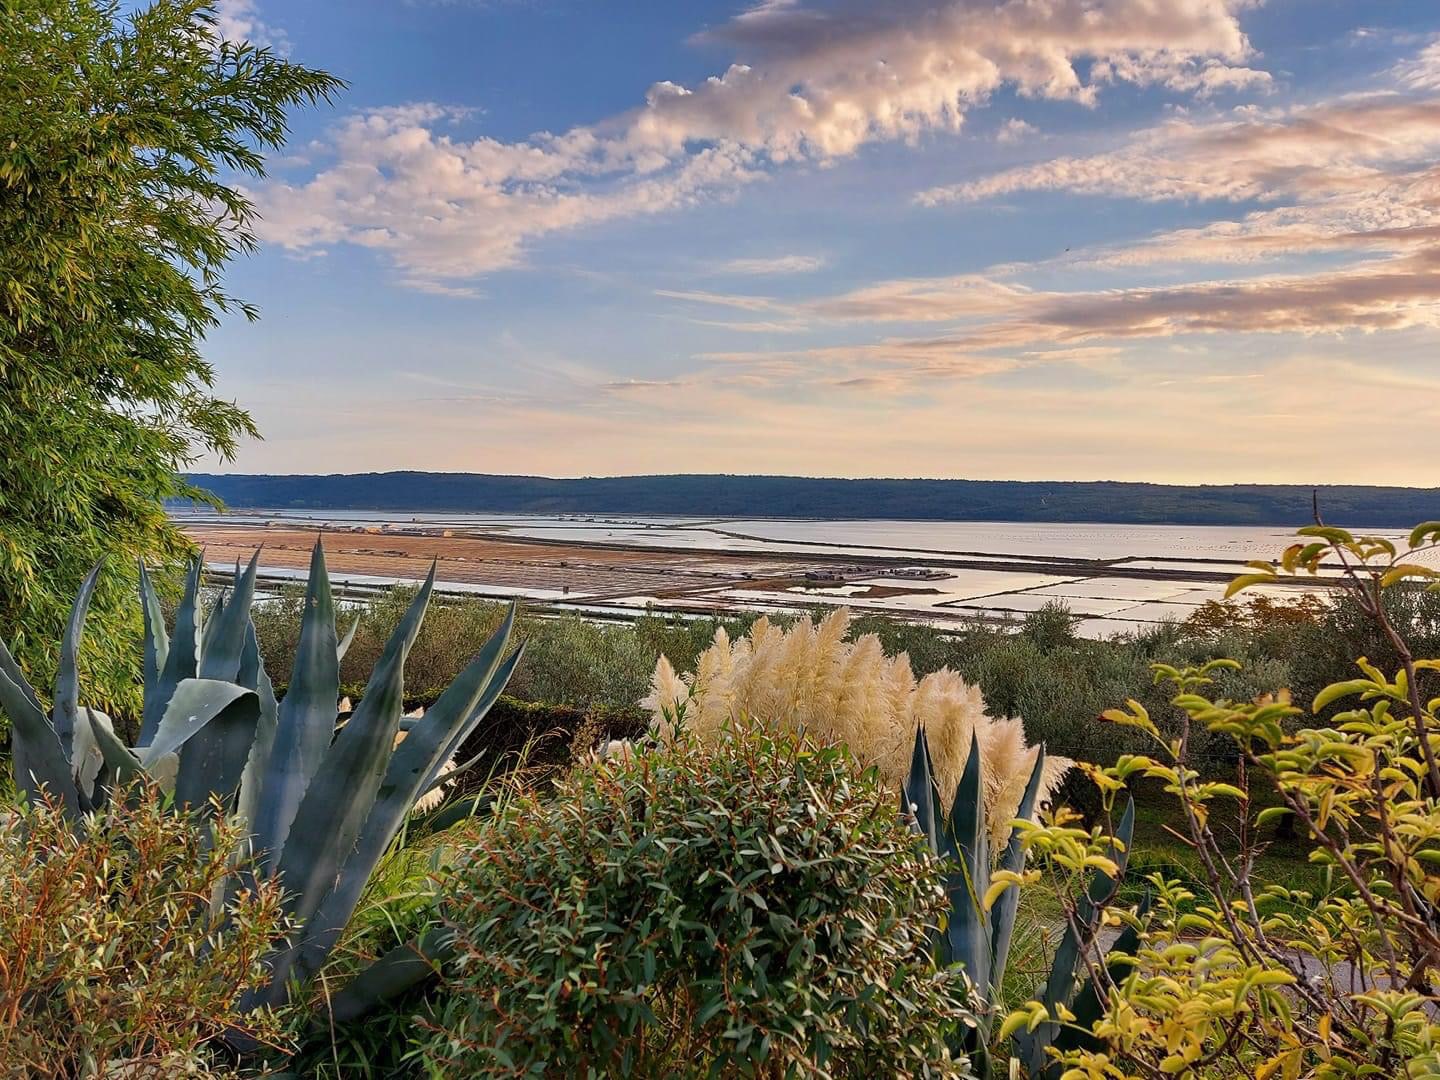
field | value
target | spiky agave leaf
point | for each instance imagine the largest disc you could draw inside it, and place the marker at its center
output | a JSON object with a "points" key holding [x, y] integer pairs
{"points": [[213, 756], [965, 842], [66, 711], [87, 758], [1088, 1006], [1030, 1045], [38, 760], [335, 805], [400, 969], [306, 719], [10, 668], [157, 646], [124, 766], [182, 658], [1003, 911], [253, 677], [423, 751], [347, 640], [920, 795], [193, 705], [226, 631]]}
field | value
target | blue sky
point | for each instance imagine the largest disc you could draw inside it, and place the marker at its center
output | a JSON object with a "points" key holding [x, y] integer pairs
{"points": [[1169, 240]]}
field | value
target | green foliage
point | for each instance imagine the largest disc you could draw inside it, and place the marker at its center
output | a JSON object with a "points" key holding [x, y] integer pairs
{"points": [[322, 808], [748, 497], [984, 893], [1262, 977], [1051, 627], [1040, 671], [114, 961], [568, 661], [119, 135], [749, 908]]}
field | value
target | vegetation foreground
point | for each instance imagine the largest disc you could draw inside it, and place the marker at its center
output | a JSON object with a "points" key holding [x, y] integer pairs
{"points": [[799, 858], [450, 840]]}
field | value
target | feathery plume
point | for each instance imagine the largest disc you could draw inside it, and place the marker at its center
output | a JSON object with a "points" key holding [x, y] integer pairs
{"points": [[810, 677]]}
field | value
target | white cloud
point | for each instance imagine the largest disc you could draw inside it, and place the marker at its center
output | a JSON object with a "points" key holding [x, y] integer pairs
{"points": [[695, 296], [239, 21], [779, 264], [1421, 72], [1014, 130], [811, 83], [1328, 149]]}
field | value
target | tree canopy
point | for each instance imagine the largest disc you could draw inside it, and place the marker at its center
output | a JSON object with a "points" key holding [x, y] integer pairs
{"points": [[123, 139]]}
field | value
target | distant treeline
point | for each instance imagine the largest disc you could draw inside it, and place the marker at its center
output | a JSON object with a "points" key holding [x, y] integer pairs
{"points": [[795, 496]]}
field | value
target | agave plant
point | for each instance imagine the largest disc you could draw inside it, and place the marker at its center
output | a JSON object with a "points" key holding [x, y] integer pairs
{"points": [[322, 806], [979, 939]]}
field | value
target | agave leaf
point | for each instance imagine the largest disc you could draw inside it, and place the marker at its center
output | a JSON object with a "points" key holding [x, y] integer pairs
{"points": [[86, 757], [67, 678], [1002, 913], [344, 646], [252, 676], [501, 677], [389, 976], [124, 766], [1061, 983], [225, 633], [1088, 1006], [213, 758], [8, 666], [38, 759], [460, 707], [343, 792], [968, 929], [306, 721], [157, 645], [920, 795], [193, 705], [182, 658], [163, 770], [212, 620]]}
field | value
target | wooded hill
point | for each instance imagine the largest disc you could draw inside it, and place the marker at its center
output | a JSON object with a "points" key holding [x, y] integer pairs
{"points": [[807, 497]]}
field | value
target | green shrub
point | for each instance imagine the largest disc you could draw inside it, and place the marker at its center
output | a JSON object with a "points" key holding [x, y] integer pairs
{"points": [[110, 952], [752, 907], [1051, 627], [1238, 969]]}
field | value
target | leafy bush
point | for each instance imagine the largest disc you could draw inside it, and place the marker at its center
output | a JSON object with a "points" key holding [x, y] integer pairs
{"points": [[744, 907], [569, 660], [113, 961], [1051, 627], [1039, 671], [1269, 978]]}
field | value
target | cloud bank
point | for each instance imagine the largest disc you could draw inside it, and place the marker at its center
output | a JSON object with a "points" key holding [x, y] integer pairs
{"points": [[810, 83]]}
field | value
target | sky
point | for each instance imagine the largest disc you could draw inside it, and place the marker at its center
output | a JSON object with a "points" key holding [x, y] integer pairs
{"points": [[1181, 241]]}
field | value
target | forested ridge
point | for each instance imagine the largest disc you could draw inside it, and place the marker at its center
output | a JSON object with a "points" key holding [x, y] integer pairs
{"points": [[794, 496]]}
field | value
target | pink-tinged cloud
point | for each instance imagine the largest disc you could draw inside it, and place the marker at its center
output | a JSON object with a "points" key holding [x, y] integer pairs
{"points": [[810, 83]]}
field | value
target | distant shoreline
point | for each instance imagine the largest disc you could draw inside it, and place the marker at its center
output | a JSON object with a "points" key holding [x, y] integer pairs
{"points": [[827, 499]]}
